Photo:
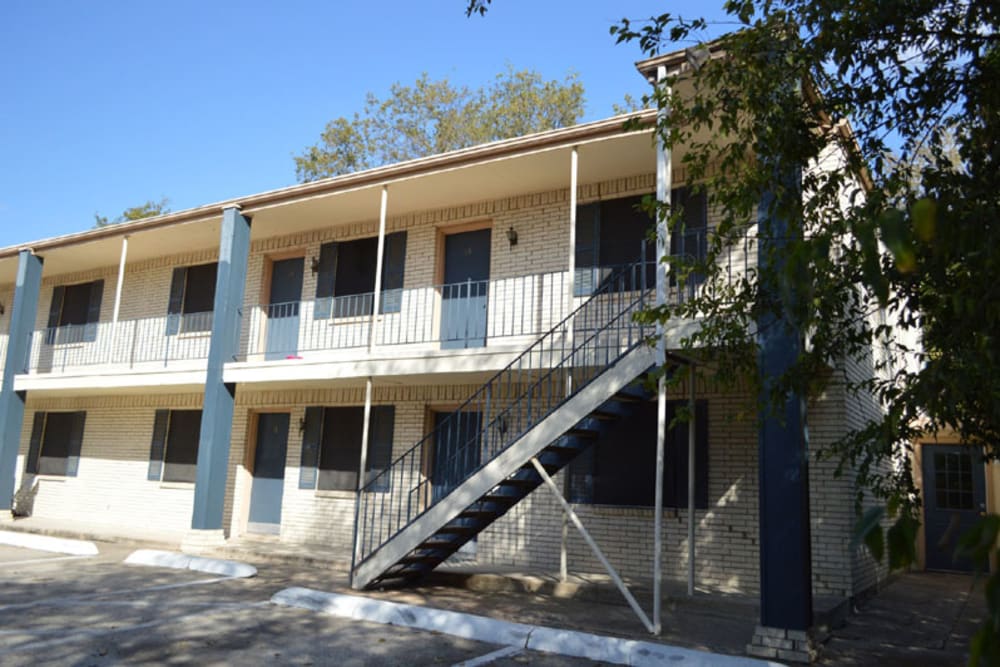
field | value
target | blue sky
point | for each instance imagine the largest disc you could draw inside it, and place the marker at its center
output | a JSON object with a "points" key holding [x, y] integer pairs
{"points": [[107, 104]]}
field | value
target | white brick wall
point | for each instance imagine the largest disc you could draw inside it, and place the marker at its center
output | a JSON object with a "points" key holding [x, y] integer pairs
{"points": [[111, 486]]}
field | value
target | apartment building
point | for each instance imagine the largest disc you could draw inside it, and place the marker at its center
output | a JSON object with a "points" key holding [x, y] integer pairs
{"points": [[373, 364]]}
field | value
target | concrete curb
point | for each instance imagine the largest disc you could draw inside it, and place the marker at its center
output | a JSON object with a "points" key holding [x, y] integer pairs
{"points": [[179, 561], [507, 633], [60, 545]]}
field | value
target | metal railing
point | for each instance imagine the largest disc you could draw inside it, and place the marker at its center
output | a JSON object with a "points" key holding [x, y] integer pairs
{"points": [[156, 341], [467, 312], [572, 353]]}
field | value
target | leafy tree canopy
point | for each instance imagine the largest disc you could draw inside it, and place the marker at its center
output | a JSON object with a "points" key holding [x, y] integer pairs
{"points": [[432, 117], [898, 277], [145, 210]]}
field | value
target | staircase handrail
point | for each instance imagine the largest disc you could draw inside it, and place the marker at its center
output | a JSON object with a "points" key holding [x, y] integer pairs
{"points": [[610, 285]]}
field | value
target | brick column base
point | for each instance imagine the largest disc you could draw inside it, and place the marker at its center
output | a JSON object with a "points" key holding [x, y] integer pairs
{"points": [[781, 644], [196, 541]]}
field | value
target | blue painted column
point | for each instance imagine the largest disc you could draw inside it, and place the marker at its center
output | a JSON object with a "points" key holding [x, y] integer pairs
{"points": [[22, 324], [785, 550], [217, 408]]}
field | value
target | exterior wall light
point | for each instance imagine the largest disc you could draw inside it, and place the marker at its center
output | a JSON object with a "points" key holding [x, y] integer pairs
{"points": [[512, 236]]}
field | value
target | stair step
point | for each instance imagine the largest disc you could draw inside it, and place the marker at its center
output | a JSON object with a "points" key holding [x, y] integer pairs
{"points": [[603, 415], [458, 529], [439, 543], [498, 495], [427, 558], [477, 513], [587, 433], [520, 482]]}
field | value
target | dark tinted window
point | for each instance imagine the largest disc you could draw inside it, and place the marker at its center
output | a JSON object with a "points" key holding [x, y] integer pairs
{"points": [[76, 304], [55, 445], [181, 459], [199, 292], [340, 451]]}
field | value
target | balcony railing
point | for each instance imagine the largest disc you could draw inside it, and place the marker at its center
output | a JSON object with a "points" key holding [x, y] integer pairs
{"points": [[473, 314], [152, 342], [468, 314]]}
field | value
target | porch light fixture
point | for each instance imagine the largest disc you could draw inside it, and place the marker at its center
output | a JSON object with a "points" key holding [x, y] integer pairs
{"points": [[302, 424], [314, 264], [512, 236], [3, 309]]}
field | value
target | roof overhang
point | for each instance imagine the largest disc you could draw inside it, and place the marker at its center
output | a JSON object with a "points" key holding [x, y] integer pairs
{"points": [[523, 165]]}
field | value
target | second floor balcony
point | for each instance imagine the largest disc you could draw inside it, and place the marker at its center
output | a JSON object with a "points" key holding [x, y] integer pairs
{"points": [[502, 315]]}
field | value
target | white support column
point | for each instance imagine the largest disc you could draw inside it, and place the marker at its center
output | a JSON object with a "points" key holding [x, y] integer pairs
{"points": [[363, 463], [574, 168], [661, 434], [121, 281], [377, 297], [564, 551], [663, 185], [571, 282], [691, 480]]}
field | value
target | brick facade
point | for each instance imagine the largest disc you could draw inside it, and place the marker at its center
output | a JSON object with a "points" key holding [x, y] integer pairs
{"points": [[111, 485]]}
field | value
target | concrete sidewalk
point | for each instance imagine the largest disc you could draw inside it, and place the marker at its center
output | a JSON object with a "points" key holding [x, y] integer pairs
{"points": [[918, 619]]}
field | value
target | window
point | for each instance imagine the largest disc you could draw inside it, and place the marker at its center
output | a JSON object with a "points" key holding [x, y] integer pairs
{"points": [[953, 488], [74, 313], [56, 438], [192, 298], [331, 447], [615, 233], [345, 286], [618, 469], [173, 453]]}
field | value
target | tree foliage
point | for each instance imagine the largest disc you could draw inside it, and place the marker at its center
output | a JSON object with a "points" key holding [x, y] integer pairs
{"points": [[433, 117], [145, 210], [907, 92], [898, 277]]}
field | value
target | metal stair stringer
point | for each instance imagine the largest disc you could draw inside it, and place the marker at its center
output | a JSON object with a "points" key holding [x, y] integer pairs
{"points": [[589, 398]]}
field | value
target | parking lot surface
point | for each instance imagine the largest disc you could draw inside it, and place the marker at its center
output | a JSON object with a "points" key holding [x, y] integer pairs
{"points": [[70, 610]]}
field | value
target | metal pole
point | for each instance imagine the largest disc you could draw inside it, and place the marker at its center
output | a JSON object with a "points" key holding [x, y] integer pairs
{"points": [[663, 185], [112, 342], [593, 545], [691, 480], [574, 170], [574, 162], [364, 458], [121, 280], [376, 298], [661, 435], [563, 555]]}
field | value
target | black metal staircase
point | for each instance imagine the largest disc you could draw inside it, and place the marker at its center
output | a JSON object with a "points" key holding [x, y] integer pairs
{"points": [[492, 505], [550, 403]]}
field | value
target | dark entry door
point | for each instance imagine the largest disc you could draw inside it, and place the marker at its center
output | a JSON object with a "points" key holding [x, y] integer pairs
{"points": [[954, 498], [283, 309], [456, 450], [464, 296], [268, 473]]}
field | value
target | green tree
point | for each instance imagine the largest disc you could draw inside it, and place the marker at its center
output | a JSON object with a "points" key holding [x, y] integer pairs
{"points": [[147, 209], [918, 244], [885, 82], [432, 117]]}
